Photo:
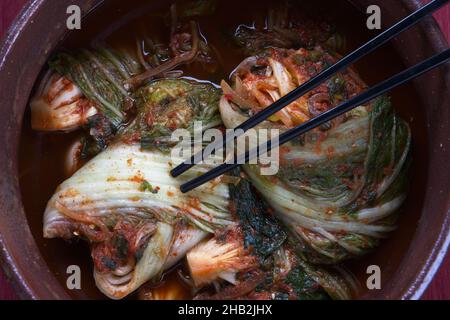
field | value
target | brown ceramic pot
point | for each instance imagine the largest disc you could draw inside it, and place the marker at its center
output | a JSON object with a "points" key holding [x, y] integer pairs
{"points": [[32, 38]]}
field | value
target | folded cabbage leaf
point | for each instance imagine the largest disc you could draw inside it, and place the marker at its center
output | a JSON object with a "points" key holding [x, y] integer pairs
{"points": [[100, 74], [169, 104], [340, 186], [252, 259], [102, 81]]}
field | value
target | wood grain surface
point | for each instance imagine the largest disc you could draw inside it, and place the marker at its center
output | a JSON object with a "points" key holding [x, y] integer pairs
{"points": [[439, 288]]}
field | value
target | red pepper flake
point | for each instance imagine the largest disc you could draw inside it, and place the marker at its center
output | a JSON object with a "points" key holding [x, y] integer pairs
{"points": [[284, 149], [137, 178], [194, 203], [330, 151], [149, 119]]}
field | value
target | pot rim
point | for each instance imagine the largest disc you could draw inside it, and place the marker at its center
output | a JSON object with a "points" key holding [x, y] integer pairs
{"points": [[27, 289]]}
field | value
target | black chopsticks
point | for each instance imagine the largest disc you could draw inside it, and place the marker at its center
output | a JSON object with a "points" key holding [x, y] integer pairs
{"points": [[346, 106], [345, 62]]}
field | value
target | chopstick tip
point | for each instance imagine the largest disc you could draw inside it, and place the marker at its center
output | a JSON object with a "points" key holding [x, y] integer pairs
{"points": [[175, 172], [184, 188]]}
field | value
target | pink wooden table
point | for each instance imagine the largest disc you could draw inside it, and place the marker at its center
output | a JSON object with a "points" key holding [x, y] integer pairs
{"points": [[439, 288]]}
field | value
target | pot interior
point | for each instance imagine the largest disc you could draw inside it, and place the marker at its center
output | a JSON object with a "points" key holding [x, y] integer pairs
{"points": [[41, 166]]}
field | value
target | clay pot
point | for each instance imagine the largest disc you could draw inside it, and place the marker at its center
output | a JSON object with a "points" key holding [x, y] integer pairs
{"points": [[32, 38]]}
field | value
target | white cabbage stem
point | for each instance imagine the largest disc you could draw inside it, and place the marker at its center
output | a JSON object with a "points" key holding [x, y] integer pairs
{"points": [[59, 105], [212, 260], [185, 240]]}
